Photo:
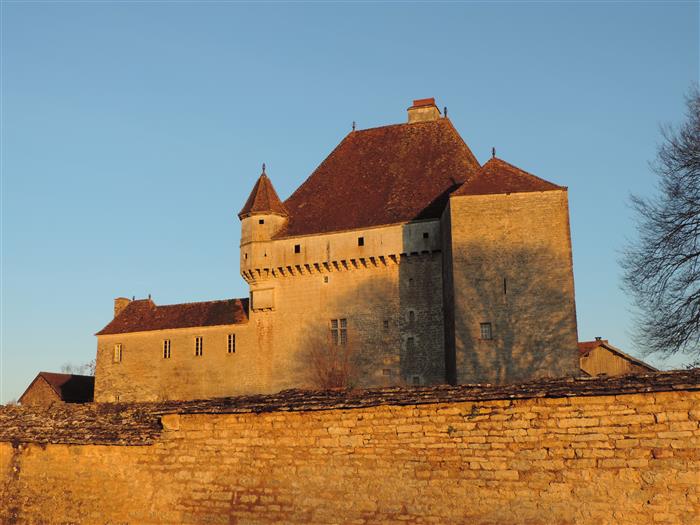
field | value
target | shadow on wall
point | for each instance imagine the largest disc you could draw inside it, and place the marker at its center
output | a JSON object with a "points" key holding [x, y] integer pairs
{"points": [[374, 322], [514, 315]]}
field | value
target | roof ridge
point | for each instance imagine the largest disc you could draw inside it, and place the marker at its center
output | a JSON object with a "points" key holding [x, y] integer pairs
{"points": [[521, 170], [203, 302]]}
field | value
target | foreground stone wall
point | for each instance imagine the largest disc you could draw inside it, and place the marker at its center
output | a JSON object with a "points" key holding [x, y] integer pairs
{"points": [[623, 450]]}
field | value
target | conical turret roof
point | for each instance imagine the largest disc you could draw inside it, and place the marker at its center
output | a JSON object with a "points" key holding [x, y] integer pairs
{"points": [[263, 199]]}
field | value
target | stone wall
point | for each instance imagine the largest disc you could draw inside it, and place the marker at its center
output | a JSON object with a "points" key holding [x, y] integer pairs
{"points": [[615, 450], [40, 393], [510, 266]]}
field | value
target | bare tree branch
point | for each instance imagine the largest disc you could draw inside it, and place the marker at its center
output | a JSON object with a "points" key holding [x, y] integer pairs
{"points": [[662, 267]]}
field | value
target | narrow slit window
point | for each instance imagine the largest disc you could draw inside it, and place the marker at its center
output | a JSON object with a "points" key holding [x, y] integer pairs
{"points": [[166, 349], [231, 343], [198, 346], [505, 286], [360, 241], [486, 332], [117, 353]]}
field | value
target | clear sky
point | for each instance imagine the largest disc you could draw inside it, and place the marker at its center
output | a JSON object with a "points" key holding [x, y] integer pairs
{"points": [[132, 133]]}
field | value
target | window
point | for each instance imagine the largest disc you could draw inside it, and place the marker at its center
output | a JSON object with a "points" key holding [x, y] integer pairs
{"points": [[426, 235], [231, 343], [410, 344], [166, 349], [198, 346], [486, 331], [325, 278], [245, 255], [505, 286], [339, 331], [360, 241], [261, 221], [386, 324], [117, 353], [411, 317], [297, 248]]}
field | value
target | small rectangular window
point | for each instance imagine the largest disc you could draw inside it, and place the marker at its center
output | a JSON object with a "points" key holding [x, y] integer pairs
{"points": [[297, 248], [386, 324], [198, 346], [339, 331], [325, 278], [166, 349], [231, 343], [261, 221], [117, 353], [426, 235], [485, 329], [410, 344], [360, 241]]}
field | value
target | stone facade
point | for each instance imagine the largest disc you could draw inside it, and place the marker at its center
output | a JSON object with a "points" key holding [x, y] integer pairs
{"points": [[592, 452], [401, 237], [40, 393]]}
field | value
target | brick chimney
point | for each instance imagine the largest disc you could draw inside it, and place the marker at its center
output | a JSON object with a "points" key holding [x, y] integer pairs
{"points": [[422, 110], [119, 304]]}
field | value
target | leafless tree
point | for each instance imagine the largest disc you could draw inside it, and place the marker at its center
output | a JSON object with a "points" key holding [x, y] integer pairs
{"points": [[332, 365], [84, 369], [662, 266]]}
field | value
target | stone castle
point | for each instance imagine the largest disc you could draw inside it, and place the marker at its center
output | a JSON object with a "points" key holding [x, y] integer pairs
{"points": [[400, 260]]}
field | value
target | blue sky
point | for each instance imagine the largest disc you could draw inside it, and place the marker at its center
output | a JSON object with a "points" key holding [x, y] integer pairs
{"points": [[132, 133]]}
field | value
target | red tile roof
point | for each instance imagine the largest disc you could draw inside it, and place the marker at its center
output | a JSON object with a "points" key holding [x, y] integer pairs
{"points": [[382, 175], [71, 388], [498, 176], [143, 315], [422, 102], [586, 346], [263, 199]]}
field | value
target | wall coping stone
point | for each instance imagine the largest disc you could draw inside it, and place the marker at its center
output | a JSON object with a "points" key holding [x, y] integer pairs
{"points": [[140, 423]]}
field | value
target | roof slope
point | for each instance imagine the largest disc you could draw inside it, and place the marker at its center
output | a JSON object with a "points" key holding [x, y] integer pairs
{"points": [[382, 176], [71, 388], [584, 347], [263, 199], [143, 315], [498, 176]]}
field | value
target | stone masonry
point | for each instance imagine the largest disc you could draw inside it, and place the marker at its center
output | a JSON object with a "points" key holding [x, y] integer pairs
{"points": [[598, 451]]}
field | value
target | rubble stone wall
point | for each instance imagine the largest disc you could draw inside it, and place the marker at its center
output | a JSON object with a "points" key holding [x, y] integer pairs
{"points": [[588, 456]]}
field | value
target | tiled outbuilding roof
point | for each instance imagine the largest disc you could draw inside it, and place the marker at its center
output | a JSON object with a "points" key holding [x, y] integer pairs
{"points": [[143, 315], [71, 388], [380, 176], [263, 199], [498, 176]]}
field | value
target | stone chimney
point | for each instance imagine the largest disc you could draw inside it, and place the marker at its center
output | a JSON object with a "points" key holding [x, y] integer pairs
{"points": [[422, 110], [119, 304]]}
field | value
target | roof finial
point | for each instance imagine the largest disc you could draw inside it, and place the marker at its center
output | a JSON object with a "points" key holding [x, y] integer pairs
{"points": [[149, 296], [353, 125], [493, 153], [263, 169], [445, 112]]}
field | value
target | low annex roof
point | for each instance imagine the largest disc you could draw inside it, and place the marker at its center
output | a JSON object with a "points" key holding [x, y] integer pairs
{"points": [[71, 388], [383, 175], [144, 315], [498, 176]]}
